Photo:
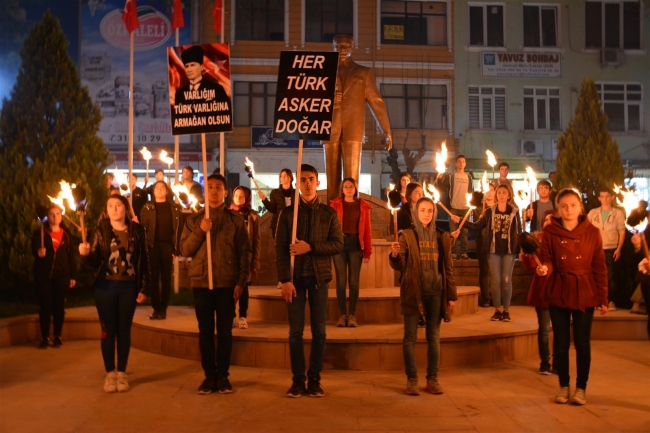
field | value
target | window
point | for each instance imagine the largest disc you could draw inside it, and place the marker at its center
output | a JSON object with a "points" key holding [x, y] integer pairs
{"points": [[259, 20], [416, 106], [487, 107], [414, 23], [253, 103], [324, 19], [486, 25], [623, 105], [541, 109], [613, 25], [540, 26]]}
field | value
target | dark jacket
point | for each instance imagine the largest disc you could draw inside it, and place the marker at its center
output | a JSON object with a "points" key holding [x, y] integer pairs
{"points": [[365, 230], [148, 221], [100, 250], [642, 278], [486, 220], [446, 183], [577, 273], [408, 261], [404, 218], [275, 204], [325, 239], [138, 200], [533, 221], [231, 250], [253, 228], [60, 264]]}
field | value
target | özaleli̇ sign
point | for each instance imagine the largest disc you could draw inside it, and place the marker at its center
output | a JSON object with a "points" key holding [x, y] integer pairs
{"points": [[155, 29], [521, 64]]}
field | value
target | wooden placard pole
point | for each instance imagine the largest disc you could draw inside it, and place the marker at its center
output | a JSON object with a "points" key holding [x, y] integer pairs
{"points": [[208, 240], [296, 203]]}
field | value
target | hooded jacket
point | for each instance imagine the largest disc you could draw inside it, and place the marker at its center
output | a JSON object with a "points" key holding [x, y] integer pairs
{"points": [[365, 231], [56, 264], [577, 273], [487, 220]]}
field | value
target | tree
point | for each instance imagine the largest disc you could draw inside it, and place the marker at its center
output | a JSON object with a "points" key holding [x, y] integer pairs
{"points": [[588, 159], [47, 133]]}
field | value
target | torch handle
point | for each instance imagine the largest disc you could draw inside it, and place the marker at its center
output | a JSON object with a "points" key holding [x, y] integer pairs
{"points": [[537, 260], [465, 218], [294, 227], [208, 239], [83, 226], [255, 182], [72, 222], [42, 235], [395, 224], [445, 208]]}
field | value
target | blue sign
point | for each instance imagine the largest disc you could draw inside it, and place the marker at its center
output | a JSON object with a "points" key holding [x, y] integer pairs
{"points": [[262, 138]]}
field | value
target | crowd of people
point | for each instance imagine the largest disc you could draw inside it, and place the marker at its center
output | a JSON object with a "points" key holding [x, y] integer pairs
{"points": [[132, 248]]}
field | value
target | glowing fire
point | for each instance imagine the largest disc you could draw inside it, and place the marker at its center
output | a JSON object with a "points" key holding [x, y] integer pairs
{"points": [[485, 185], [122, 179], [468, 197], [521, 192], [251, 168], [441, 158], [532, 180], [431, 192], [166, 159], [191, 200], [390, 188], [492, 161], [64, 195], [146, 155], [630, 203]]}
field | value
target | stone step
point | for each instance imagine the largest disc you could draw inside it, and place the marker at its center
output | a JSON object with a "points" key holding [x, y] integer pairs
{"points": [[374, 305]]}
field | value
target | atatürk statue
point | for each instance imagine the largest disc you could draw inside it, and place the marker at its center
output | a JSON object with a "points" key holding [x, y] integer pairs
{"points": [[355, 86]]}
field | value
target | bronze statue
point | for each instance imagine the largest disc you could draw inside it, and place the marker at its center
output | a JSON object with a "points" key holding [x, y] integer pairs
{"points": [[355, 86]]}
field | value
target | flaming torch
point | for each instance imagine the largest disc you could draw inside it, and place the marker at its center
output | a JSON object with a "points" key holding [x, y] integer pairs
{"points": [[521, 198], [441, 158], [532, 184], [250, 171], [169, 161], [146, 155], [393, 210], [485, 185], [469, 210], [637, 221], [184, 196], [41, 214], [66, 195], [491, 160], [431, 192]]}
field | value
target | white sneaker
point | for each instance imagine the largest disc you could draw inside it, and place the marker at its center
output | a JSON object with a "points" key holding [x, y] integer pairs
{"points": [[611, 306], [110, 382], [562, 397], [243, 324], [122, 382], [579, 397], [235, 323]]}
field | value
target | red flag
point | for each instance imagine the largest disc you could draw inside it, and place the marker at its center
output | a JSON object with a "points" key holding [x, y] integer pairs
{"points": [[216, 13], [177, 16], [130, 16]]}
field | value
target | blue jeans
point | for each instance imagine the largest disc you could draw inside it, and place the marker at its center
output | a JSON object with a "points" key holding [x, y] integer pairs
{"points": [[501, 279], [562, 319], [461, 242], [348, 269], [432, 307], [317, 295], [544, 327], [115, 302]]}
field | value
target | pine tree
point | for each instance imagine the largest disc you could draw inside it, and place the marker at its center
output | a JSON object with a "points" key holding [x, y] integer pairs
{"points": [[47, 133], [588, 158]]}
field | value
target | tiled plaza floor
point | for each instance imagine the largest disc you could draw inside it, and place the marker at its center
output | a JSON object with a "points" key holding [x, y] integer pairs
{"points": [[60, 390]]}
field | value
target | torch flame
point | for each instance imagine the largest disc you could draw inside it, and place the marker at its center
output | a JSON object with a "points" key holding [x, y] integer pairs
{"points": [[521, 197], [64, 194], [492, 161], [532, 180], [249, 165], [166, 159], [390, 188], [630, 201], [431, 192], [121, 177], [468, 197], [441, 158], [146, 155], [179, 189], [485, 185]]}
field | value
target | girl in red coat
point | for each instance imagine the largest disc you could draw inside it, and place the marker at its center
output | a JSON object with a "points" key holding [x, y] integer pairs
{"points": [[573, 263], [354, 215]]}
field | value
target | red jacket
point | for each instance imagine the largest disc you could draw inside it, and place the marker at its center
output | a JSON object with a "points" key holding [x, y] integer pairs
{"points": [[537, 291], [365, 232], [577, 274]]}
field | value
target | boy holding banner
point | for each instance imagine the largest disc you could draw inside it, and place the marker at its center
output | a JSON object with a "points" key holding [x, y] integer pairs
{"points": [[319, 238]]}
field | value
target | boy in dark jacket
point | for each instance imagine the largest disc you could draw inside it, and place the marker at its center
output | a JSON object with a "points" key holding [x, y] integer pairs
{"points": [[231, 262], [318, 238], [428, 288]]}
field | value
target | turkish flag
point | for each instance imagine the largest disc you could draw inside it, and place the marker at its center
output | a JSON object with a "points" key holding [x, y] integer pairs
{"points": [[216, 13], [177, 15], [130, 16]]}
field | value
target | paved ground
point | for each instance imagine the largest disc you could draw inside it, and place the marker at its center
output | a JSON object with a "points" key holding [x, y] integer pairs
{"points": [[61, 391]]}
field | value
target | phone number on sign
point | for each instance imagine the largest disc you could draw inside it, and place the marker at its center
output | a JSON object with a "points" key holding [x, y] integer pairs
{"points": [[141, 138]]}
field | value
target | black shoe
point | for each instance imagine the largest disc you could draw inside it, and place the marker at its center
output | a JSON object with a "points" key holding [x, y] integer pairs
{"points": [[505, 316], [297, 389], [314, 389], [44, 343], [207, 387], [57, 342], [497, 315], [545, 368], [224, 386], [154, 316], [162, 314], [422, 323]]}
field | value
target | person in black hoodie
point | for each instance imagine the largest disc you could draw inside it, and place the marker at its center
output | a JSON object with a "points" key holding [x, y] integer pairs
{"points": [[161, 220], [117, 252], [55, 270]]}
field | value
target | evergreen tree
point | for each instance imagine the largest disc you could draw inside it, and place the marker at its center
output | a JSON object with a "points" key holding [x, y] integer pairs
{"points": [[47, 133], [588, 158]]}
